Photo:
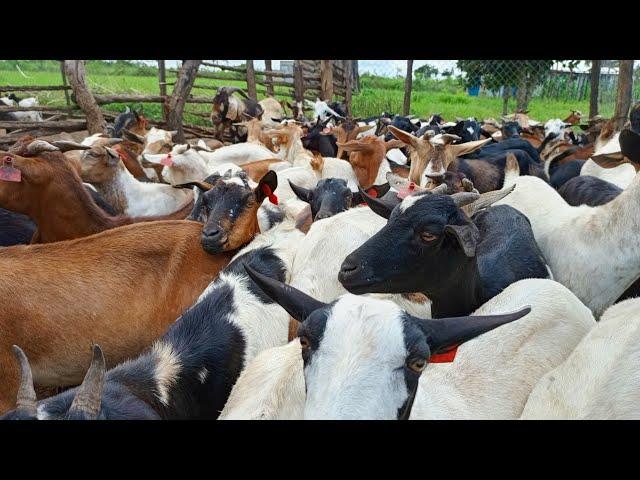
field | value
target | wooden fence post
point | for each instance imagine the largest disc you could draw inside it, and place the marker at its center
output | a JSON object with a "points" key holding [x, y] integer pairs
{"points": [[595, 87], [298, 81], [75, 73], [356, 76], [64, 82], [251, 80], [268, 78], [181, 91], [406, 107], [348, 82], [623, 99], [326, 80], [162, 85]]}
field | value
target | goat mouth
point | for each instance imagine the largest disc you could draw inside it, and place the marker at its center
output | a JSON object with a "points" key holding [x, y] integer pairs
{"points": [[214, 246], [356, 281]]}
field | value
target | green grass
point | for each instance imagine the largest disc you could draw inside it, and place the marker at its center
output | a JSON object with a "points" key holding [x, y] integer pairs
{"points": [[377, 94]]}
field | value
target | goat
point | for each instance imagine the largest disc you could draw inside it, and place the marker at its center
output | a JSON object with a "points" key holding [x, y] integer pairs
{"points": [[479, 384], [331, 196], [367, 157], [272, 110], [621, 176], [322, 110], [228, 107], [588, 190], [103, 167], [189, 372], [155, 141], [168, 276], [468, 130], [564, 233], [599, 379], [322, 139], [12, 100], [52, 194], [574, 118], [239, 153], [385, 382], [255, 133], [458, 260]]}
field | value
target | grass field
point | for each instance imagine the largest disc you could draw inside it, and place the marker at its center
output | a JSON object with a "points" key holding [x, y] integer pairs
{"points": [[377, 94]]}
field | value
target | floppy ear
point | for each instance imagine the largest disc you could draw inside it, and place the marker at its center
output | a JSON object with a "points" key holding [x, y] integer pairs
{"points": [[376, 205], [466, 235], [297, 304], [444, 333], [266, 186], [301, 192]]}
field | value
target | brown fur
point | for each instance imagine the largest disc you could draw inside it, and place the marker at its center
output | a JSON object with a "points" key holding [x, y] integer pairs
{"points": [[121, 289], [365, 157], [573, 118], [344, 133], [255, 134], [52, 194], [257, 170]]}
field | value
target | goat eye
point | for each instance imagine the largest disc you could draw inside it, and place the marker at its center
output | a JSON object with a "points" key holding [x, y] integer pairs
{"points": [[427, 237], [304, 342], [417, 364]]}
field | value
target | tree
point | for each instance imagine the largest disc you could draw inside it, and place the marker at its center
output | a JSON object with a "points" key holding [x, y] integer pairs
{"points": [[496, 74], [426, 71]]}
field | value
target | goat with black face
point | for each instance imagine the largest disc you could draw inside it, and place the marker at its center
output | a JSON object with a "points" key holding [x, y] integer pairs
{"points": [[228, 206], [459, 260], [387, 347]]}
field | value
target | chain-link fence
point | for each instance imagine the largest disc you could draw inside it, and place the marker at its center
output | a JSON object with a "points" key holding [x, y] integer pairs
{"points": [[487, 88]]}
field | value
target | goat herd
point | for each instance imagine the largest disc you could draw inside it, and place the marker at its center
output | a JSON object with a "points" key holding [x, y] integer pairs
{"points": [[338, 268]]}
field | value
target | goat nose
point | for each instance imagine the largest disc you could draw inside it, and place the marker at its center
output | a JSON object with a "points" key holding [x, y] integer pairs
{"points": [[348, 266], [211, 233], [323, 214]]}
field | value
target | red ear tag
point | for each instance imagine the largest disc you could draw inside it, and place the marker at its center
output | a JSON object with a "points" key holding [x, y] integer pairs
{"points": [[266, 189], [167, 161], [372, 192], [8, 172], [119, 152], [445, 357], [406, 191]]}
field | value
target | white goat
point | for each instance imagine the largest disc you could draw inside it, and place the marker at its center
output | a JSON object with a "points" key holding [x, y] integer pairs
{"points": [[273, 111], [239, 153], [621, 175], [600, 378], [593, 251]]}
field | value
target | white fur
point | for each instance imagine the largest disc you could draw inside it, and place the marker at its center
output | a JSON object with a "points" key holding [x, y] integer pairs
{"points": [[493, 374], [591, 250], [396, 155], [271, 387], [272, 109], [621, 175], [609, 147], [556, 126], [600, 378], [239, 153], [168, 367]]}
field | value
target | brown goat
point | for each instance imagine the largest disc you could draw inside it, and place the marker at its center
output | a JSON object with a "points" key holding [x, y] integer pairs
{"points": [[255, 133], [574, 118], [366, 155], [345, 132], [52, 194], [120, 288]]}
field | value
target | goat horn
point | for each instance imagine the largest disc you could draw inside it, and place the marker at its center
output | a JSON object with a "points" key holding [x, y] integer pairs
{"points": [[89, 394], [487, 199], [230, 90], [39, 146], [204, 186], [67, 145], [26, 399], [464, 198], [440, 189]]}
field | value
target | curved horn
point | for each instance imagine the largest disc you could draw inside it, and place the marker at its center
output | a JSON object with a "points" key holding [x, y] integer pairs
{"points": [[114, 141], [298, 304], [26, 399], [39, 146], [447, 332], [230, 90], [441, 189], [133, 137], [302, 193], [487, 199], [67, 145], [204, 186], [463, 198], [86, 403]]}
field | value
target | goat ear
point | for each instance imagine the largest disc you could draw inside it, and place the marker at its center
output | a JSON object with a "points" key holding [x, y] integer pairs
{"points": [[132, 137], [266, 186], [376, 205], [467, 236], [297, 304], [464, 148], [404, 136], [301, 192], [113, 158], [445, 333]]}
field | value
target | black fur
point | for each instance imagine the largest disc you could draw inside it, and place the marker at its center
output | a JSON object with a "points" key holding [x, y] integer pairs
{"points": [[513, 143], [588, 190], [461, 129], [330, 196], [316, 141], [456, 282], [101, 202], [564, 172], [265, 261], [15, 228]]}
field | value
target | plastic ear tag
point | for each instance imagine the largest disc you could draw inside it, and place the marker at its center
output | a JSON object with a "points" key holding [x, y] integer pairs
{"points": [[444, 357], [372, 192], [167, 161], [407, 190], [266, 189], [8, 172]]}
